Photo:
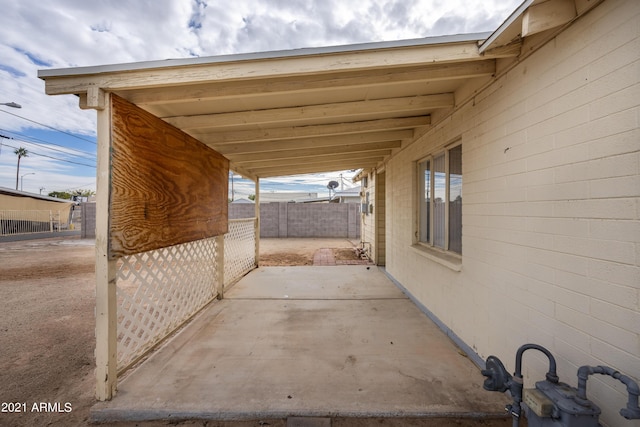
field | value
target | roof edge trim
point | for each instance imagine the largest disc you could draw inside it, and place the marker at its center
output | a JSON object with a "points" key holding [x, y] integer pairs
{"points": [[18, 193], [206, 60], [486, 44]]}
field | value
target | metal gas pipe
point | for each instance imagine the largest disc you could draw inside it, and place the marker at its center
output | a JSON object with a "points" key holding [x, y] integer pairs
{"points": [[552, 403]]}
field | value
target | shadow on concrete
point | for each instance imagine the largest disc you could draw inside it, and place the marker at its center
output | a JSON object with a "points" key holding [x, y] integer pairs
{"points": [[334, 343]]}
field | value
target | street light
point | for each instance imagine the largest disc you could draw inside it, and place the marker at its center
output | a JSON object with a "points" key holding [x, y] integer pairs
{"points": [[22, 177], [11, 104]]}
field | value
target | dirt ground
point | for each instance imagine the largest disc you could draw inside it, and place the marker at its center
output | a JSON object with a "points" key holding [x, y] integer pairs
{"points": [[47, 324], [47, 333], [274, 252]]}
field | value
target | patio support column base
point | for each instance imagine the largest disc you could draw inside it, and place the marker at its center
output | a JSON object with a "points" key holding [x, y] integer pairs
{"points": [[106, 300], [256, 201], [220, 265]]}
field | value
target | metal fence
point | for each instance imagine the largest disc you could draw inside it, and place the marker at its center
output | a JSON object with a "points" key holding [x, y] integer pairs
{"points": [[14, 222], [158, 291]]}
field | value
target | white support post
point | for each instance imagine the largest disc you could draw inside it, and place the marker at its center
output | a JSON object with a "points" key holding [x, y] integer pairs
{"points": [[51, 222], [256, 201], [106, 302], [220, 265]]}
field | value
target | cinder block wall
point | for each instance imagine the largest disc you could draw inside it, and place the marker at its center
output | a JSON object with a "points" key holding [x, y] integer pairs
{"points": [[278, 219], [551, 217], [88, 224], [303, 219]]}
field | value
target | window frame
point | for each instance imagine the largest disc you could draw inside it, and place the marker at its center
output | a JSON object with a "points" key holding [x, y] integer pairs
{"points": [[419, 175]]}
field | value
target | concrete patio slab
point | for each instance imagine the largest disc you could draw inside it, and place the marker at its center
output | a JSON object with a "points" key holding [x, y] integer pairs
{"points": [[307, 342], [313, 282]]}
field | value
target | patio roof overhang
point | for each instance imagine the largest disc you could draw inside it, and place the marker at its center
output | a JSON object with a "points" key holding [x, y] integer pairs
{"points": [[269, 114], [321, 109], [300, 111]]}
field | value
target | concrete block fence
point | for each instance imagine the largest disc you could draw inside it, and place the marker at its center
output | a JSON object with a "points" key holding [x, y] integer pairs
{"points": [[283, 219], [279, 219]]}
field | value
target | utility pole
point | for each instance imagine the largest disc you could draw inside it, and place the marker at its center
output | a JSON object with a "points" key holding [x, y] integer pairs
{"points": [[233, 193], [3, 137]]}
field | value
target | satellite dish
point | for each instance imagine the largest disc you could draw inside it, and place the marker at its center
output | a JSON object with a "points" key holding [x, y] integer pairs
{"points": [[332, 185]]}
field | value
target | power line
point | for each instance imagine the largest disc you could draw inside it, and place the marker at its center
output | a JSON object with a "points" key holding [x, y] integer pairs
{"points": [[54, 158], [50, 127], [27, 138], [92, 184], [48, 148], [68, 190]]}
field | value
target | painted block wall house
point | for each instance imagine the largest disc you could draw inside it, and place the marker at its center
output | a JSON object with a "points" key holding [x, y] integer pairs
{"points": [[503, 172], [24, 213]]}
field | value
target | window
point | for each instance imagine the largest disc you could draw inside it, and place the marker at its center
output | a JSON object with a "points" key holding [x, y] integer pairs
{"points": [[440, 200]]}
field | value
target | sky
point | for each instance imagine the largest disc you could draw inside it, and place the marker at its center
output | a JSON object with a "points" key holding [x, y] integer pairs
{"points": [[60, 138]]}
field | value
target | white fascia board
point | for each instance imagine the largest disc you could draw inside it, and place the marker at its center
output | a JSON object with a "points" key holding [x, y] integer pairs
{"points": [[487, 44], [135, 66]]}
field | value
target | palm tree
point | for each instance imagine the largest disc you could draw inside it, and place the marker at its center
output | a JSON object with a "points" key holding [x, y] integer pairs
{"points": [[20, 152]]}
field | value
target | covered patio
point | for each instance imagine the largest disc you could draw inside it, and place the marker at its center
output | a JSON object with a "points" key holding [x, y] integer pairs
{"points": [[330, 342], [169, 132], [279, 343], [527, 114]]}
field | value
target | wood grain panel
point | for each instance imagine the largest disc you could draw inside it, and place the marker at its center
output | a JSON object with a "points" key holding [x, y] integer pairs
{"points": [[167, 187]]}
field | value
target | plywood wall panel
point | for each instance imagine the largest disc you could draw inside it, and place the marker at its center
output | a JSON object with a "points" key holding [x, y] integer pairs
{"points": [[167, 187]]}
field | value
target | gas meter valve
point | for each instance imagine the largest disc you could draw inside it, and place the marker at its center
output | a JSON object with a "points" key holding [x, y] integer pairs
{"points": [[555, 405], [552, 403]]}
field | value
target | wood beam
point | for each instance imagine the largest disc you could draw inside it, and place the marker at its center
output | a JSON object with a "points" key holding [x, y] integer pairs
{"points": [[547, 15], [106, 309], [93, 99], [235, 67], [315, 83], [411, 105], [256, 202], [315, 168], [306, 152], [506, 51], [583, 6], [313, 157], [320, 164], [242, 171], [295, 132], [313, 143]]}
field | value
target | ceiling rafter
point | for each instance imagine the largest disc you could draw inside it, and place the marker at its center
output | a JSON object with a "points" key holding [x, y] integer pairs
{"points": [[295, 132], [295, 84], [241, 170], [289, 172], [304, 152], [301, 111], [316, 162], [312, 168], [405, 106], [161, 74], [312, 143], [319, 157]]}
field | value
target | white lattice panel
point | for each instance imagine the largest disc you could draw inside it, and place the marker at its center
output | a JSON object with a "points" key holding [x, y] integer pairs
{"points": [[239, 249], [158, 290]]}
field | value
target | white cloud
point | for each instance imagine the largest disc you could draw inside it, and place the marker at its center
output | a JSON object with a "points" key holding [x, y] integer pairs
{"points": [[311, 183], [36, 34]]}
